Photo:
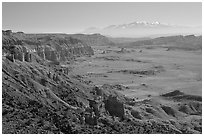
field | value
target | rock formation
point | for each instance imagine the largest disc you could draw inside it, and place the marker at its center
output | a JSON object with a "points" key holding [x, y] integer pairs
{"points": [[49, 47], [114, 107]]}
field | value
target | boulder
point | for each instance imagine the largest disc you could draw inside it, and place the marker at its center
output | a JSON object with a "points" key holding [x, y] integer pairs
{"points": [[98, 91], [10, 57], [95, 106], [91, 120], [114, 106], [28, 57]]}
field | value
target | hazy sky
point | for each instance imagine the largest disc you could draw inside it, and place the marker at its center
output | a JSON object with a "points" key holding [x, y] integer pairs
{"points": [[75, 17]]}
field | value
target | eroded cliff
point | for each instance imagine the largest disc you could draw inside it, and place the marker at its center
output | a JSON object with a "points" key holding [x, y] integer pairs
{"points": [[50, 47]]}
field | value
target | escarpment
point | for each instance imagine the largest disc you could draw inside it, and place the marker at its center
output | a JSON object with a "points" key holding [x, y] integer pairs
{"points": [[51, 47]]}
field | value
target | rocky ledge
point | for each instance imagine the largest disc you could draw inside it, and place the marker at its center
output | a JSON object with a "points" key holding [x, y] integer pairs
{"points": [[51, 47]]}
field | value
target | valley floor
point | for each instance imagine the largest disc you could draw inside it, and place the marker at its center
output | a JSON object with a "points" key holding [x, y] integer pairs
{"points": [[144, 75], [144, 71]]}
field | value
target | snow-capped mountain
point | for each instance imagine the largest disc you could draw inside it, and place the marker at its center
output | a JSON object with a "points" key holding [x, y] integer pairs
{"points": [[143, 28], [139, 24]]}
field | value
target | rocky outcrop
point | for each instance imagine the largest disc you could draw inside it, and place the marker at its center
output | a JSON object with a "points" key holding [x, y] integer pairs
{"points": [[17, 52], [49, 47], [7, 32], [114, 107]]}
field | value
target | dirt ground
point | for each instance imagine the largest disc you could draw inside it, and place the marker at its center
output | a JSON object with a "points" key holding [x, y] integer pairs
{"points": [[145, 71]]}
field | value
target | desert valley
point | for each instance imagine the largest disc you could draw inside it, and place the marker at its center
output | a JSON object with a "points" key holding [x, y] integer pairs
{"points": [[101, 67], [61, 83]]}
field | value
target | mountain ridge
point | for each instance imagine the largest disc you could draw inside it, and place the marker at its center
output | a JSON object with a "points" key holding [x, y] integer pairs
{"points": [[187, 42], [143, 28]]}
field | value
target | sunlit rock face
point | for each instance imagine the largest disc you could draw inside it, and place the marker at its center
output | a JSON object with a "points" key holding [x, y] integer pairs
{"points": [[52, 47]]}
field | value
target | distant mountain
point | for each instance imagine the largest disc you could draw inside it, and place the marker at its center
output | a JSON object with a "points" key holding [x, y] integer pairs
{"points": [[144, 29], [121, 40], [188, 42], [93, 39]]}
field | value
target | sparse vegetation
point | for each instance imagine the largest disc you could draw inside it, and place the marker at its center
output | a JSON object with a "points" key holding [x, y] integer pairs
{"points": [[38, 97]]}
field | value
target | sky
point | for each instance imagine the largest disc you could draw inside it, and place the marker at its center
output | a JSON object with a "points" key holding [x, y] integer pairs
{"points": [[70, 17]]}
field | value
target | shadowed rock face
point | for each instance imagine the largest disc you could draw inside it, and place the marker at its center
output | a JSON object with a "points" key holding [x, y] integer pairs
{"points": [[114, 107], [47, 46], [173, 93], [7, 32]]}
